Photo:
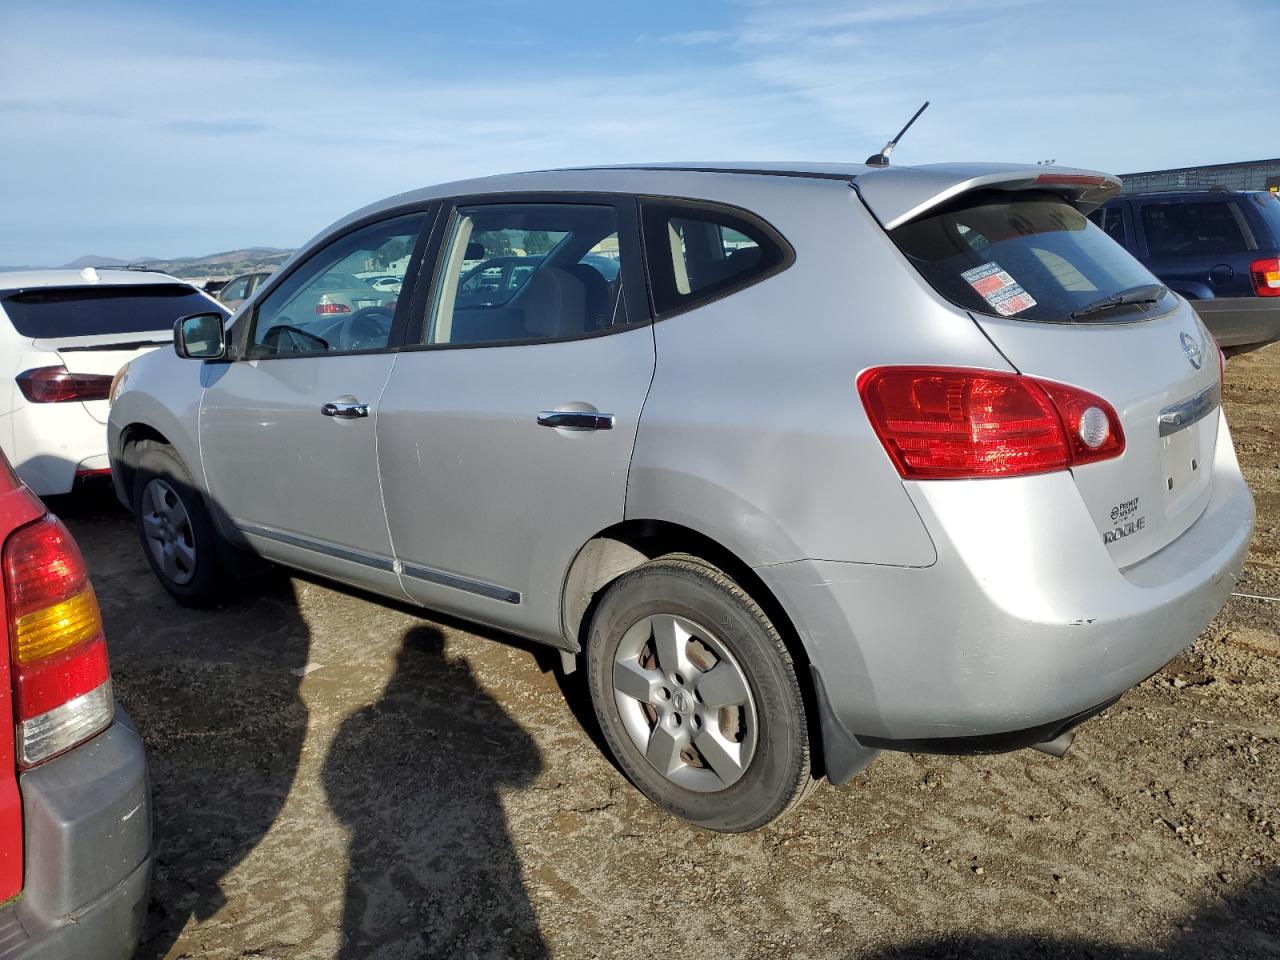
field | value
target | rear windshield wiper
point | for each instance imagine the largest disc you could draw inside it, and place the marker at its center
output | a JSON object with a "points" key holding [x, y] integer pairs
{"points": [[1146, 293]]}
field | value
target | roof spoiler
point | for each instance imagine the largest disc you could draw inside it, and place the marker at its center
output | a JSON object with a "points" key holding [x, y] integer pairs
{"points": [[897, 195]]}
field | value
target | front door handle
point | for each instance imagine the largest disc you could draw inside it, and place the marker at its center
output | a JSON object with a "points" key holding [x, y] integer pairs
{"points": [[575, 419], [345, 410]]}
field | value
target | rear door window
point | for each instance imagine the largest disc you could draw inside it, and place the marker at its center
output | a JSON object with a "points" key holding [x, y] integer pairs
{"points": [[1028, 255], [1190, 228], [699, 252], [528, 272], [61, 312]]}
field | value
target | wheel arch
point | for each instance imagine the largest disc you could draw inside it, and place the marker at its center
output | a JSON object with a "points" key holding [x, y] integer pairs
{"points": [[619, 549], [125, 464]]}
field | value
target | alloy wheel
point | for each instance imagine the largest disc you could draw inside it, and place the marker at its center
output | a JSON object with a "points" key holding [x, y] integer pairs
{"points": [[167, 529], [685, 702]]}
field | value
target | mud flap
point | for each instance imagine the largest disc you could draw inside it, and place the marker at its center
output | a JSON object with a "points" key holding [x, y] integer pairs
{"points": [[844, 755]]}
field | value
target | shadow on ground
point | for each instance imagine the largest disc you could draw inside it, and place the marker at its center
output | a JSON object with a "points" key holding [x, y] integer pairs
{"points": [[414, 777], [432, 869], [214, 695]]}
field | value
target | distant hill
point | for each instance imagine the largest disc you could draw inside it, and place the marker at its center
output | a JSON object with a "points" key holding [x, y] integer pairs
{"points": [[92, 261], [225, 264]]}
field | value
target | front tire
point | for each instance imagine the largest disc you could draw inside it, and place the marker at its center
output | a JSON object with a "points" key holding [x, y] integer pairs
{"points": [[697, 696], [177, 534]]}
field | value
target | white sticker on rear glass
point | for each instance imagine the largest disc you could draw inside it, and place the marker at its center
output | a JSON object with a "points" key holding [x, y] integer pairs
{"points": [[1004, 293]]}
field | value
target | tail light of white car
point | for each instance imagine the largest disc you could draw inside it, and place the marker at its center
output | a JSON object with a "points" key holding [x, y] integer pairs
{"points": [[59, 385], [61, 678], [949, 423]]}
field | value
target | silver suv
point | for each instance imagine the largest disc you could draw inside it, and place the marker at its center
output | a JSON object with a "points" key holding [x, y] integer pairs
{"points": [[830, 459]]}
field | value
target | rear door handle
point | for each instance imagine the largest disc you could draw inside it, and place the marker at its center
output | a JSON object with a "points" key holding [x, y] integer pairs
{"points": [[575, 420], [345, 410]]}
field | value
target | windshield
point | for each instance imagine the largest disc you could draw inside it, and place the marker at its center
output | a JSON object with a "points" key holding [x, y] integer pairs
{"points": [[58, 312], [1027, 255]]}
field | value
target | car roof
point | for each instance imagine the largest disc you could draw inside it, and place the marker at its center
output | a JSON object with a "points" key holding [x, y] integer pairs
{"points": [[895, 194], [88, 277]]}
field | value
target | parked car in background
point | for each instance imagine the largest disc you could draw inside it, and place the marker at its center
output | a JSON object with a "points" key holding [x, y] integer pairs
{"points": [[239, 289], [384, 284], [1218, 248], [495, 280], [846, 459], [75, 812], [64, 334]]}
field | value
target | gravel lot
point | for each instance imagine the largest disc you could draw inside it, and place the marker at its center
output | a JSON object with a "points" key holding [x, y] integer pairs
{"points": [[335, 776]]}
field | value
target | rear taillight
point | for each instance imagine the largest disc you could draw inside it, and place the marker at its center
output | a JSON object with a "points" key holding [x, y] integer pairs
{"points": [[57, 385], [949, 423], [1265, 275], [61, 680], [327, 308]]}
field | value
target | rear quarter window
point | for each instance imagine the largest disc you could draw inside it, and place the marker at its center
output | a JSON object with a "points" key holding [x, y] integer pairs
{"points": [[1026, 255], [1268, 207], [63, 312], [697, 252]]}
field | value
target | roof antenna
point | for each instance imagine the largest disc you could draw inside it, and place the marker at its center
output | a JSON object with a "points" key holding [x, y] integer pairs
{"points": [[881, 159]]}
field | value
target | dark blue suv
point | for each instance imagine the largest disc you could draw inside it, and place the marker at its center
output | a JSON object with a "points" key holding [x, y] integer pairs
{"points": [[1218, 248]]}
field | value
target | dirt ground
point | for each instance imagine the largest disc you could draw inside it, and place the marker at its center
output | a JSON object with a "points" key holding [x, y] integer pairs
{"points": [[339, 777]]}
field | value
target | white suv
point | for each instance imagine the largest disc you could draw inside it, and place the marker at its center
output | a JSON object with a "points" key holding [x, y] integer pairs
{"points": [[64, 334]]}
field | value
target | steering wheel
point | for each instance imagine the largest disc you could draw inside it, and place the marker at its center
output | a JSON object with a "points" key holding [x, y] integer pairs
{"points": [[366, 329]]}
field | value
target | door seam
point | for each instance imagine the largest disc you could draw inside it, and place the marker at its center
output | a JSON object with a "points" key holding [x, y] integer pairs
{"points": [[396, 566]]}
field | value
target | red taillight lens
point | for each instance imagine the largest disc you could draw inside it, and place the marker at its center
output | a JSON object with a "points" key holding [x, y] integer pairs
{"points": [[1265, 275], [57, 385], [1072, 179], [61, 679], [327, 308], [947, 423]]}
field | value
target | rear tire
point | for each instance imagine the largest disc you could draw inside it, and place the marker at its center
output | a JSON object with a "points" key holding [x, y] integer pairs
{"points": [[697, 696], [177, 534]]}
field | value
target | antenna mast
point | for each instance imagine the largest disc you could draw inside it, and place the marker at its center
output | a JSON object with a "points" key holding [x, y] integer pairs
{"points": [[881, 159]]}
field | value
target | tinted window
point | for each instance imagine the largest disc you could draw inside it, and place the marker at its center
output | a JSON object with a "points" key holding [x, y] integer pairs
{"points": [[51, 312], [696, 253], [1027, 255], [1191, 228], [527, 272], [324, 307], [1269, 206]]}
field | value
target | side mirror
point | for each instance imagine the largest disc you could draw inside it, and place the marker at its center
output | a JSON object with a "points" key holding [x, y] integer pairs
{"points": [[475, 251], [201, 336]]}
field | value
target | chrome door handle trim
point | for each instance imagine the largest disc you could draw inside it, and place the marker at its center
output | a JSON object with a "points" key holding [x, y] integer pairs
{"points": [[575, 420], [1174, 418], [345, 411]]}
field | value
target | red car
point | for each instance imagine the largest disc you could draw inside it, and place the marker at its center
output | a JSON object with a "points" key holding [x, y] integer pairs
{"points": [[75, 809]]}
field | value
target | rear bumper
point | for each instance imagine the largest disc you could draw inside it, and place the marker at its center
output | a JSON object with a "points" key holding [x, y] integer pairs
{"points": [[1024, 622], [1241, 321], [51, 442], [87, 821]]}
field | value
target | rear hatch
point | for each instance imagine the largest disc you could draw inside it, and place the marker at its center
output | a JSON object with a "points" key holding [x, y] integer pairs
{"points": [[96, 329], [1064, 302]]}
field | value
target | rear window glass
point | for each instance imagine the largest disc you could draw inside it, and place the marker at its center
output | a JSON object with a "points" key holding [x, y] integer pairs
{"points": [[57, 312], [1194, 228], [1025, 255], [697, 253]]}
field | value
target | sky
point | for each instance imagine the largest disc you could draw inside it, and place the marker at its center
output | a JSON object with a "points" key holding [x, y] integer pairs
{"points": [[148, 129]]}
